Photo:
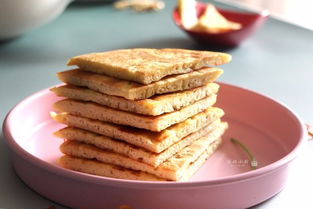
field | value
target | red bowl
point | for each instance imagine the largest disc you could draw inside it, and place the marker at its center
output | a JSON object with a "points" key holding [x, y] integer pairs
{"points": [[251, 22]]}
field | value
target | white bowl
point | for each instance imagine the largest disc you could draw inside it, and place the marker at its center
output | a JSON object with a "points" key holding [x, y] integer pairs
{"points": [[19, 16]]}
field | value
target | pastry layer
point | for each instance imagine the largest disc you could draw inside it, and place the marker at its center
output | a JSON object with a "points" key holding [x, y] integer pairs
{"points": [[147, 65], [172, 169], [135, 91], [104, 169], [156, 105], [152, 141], [135, 152], [153, 123]]}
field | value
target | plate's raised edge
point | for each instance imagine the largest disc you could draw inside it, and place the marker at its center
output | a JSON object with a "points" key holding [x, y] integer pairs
{"points": [[18, 150]]}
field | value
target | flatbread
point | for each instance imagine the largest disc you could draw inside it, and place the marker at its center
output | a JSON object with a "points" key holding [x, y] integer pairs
{"points": [[108, 170], [135, 91], [196, 165], [147, 65], [152, 141], [172, 169], [156, 105], [104, 169], [153, 123], [135, 152]]}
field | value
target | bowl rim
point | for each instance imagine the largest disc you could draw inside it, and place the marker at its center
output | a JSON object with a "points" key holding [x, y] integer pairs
{"points": [[22, 153]]}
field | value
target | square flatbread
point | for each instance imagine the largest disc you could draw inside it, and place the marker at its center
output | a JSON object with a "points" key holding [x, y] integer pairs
{"points": [[109, 170], [135, 152], [152, 141], [156, 105], [153, 123], [135, 91], [172, 169], [104, 169], [147, 65]]}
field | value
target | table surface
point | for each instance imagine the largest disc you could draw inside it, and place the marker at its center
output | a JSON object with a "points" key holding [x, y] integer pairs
{"points": [[277, 61]]}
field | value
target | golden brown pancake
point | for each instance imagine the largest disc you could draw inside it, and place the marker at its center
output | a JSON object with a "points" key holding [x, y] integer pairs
{"points": [[153, 123], [172, 169], [156, 105], [134, 91], [147, 65], [136, 152], [104, 169], [152, 141]]}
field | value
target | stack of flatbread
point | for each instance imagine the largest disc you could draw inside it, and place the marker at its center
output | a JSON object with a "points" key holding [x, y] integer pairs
{"points": [[140, 114]]}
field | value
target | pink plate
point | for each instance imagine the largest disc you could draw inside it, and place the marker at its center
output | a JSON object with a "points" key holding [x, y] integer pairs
{"points": [[272, 131]]}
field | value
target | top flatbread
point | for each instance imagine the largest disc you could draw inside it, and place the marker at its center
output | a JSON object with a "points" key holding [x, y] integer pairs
{"points": [[147, 65], [135, 91]]}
